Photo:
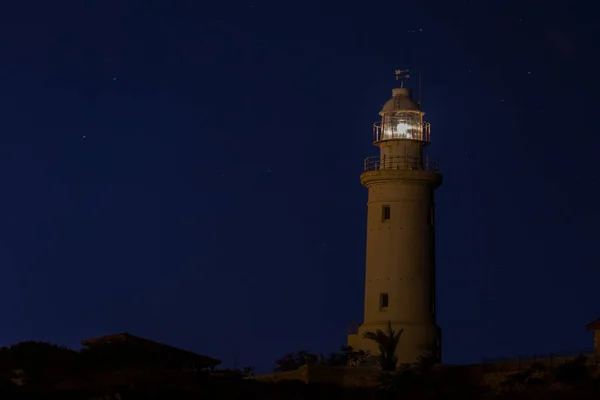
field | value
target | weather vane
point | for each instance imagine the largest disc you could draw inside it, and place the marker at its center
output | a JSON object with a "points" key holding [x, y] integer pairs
{"points": [[401, 75]]}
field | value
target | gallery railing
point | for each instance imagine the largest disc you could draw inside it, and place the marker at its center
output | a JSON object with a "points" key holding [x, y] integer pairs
{"points": [[405, 163]]}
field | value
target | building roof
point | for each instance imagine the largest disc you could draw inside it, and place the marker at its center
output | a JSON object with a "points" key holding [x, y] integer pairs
{"points": [[129, 338], [593, 326]]}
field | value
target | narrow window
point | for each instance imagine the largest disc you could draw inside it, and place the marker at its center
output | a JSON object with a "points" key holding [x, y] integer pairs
{"points": [[386, 213], [383, 300], [431, 216]]}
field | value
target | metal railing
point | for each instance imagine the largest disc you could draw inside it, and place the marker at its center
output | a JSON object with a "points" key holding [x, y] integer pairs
{"points": [[404, 163], [549, 359]]}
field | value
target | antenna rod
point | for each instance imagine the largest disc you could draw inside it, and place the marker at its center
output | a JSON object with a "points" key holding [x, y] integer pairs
{"points": [[420, 91]]}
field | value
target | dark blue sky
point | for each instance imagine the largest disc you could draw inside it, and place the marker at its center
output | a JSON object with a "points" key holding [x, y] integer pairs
{"points": [[189, 172]]}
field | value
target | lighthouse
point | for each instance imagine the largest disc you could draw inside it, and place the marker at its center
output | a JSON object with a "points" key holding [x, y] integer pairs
{"points": [[400, 255]]}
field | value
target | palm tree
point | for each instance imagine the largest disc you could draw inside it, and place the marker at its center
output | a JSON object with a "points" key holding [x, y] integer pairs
{"points": [[387, 342]]}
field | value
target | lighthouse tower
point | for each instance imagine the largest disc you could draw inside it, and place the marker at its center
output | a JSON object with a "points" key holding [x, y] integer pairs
{"points": [[400, 262]]}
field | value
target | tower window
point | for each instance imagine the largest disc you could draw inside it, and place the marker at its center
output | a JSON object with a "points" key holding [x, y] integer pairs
{"points": [[383, 300], [386, 213]]}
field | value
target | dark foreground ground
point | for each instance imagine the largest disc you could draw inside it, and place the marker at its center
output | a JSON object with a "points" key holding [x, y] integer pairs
{"points": [[287, 390]]}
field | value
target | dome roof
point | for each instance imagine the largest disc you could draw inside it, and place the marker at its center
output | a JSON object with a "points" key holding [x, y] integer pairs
{"points": [[401, 100]]}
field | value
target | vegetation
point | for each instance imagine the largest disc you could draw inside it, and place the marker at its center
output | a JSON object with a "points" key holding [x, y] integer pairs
{"points": [[347, 356], [572, 375], [387, 343], [46, 371], [37, 363], [293, 361]]}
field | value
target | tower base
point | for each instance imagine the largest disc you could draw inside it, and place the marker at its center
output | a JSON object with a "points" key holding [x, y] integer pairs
{"points": [[416, 341]]}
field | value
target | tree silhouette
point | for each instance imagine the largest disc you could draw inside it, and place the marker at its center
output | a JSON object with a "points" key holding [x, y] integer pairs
{"points": [[347, 356], [387, 343], [293, 361], [41, 363]]}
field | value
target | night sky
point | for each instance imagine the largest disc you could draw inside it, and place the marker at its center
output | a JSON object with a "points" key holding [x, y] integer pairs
{"points": [[188, 171]]}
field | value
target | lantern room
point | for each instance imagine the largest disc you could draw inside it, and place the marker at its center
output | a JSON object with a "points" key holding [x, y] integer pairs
{"points": [[401, 119]]}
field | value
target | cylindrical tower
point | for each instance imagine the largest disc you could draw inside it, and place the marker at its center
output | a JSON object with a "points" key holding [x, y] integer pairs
{"points": [[400, 262]]}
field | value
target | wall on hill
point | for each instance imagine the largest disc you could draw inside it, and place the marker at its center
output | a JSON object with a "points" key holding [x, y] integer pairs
{"points": [[344, 376]]}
